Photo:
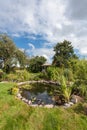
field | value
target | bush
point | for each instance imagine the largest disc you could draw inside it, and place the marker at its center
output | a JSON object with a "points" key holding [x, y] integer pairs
{"points": [[54, 73], [81, 72], [23, 75], [2, 75], [80, 89], [20, 76], [68, 75], [43, 75], [12, 77]]}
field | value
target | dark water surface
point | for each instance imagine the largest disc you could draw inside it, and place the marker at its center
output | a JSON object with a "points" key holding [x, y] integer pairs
{"points": [[40, 93]]}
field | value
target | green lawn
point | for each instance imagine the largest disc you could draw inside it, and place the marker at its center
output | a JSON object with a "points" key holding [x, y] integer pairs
{"points": [[16, 115]]}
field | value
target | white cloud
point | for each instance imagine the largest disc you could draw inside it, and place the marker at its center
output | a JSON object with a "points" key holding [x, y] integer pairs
{"points": [[46, 52], [83, 51], [22, 49], [54, 20], [46, 56], [15, 35], [32, 47], [31, 16]]}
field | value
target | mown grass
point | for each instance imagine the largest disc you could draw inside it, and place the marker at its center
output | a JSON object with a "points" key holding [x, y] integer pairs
{"points": [[16, 115]]}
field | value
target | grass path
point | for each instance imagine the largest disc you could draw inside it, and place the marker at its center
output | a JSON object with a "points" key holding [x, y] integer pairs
{"points": [[16, 115]]}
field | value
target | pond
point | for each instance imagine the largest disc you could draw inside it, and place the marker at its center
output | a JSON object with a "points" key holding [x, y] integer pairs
{"points": [[41, 93]]}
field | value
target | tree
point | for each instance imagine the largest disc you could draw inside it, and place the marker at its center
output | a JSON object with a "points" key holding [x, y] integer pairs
{"points": [[22, 58], [6, 48], [63, 53], [9, 53], [35, 63]]}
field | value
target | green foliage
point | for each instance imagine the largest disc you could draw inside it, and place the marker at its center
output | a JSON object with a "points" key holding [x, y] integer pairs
{"points": [[63, 53], [12, 77], [80, 85], [14, 90], [80, 89], [83, 90], [79, 108], [7, 48], [35, 64], [22, 58], [2, 75], [65, 90], [27, 86], [81, 72], [54, 73], [7, 51], [23, 75], [43, 75], [68, 74], [74, 65], [10, 54], [20, 76]]}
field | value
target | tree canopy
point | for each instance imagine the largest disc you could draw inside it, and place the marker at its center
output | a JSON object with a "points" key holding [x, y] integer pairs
{"points": [[63, 53], [9, 53], [35, 63]]}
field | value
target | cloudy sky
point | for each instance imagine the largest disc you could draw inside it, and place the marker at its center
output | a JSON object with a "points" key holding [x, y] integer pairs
{"points": [[37, 25]]}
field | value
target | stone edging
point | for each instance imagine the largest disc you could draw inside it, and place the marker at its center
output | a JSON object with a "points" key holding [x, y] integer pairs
{"points": [[29, 102], [40, 81]]}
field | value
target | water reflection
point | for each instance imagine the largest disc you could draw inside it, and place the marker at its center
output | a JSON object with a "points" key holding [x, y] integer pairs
{"points": [[40, 94]]}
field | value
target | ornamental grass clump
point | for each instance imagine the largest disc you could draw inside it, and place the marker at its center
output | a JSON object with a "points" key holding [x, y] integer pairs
{"points": [[64, 90]]}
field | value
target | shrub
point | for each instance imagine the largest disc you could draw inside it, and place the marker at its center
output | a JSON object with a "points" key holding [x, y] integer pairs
{"points": [[23, 75], [68, 74], [12, 77], [2, 75], [81, 72], [54, 73], [80, 89], [43, 75]]}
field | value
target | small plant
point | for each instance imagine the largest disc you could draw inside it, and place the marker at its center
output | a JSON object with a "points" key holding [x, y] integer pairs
{"points": [[27, 86], [14, 91]]}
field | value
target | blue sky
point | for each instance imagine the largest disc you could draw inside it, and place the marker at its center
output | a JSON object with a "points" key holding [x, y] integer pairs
{"points": [[37, 25]]}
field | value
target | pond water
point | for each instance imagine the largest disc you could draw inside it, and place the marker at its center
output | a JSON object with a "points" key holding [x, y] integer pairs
{"points": [[41, 93]]}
